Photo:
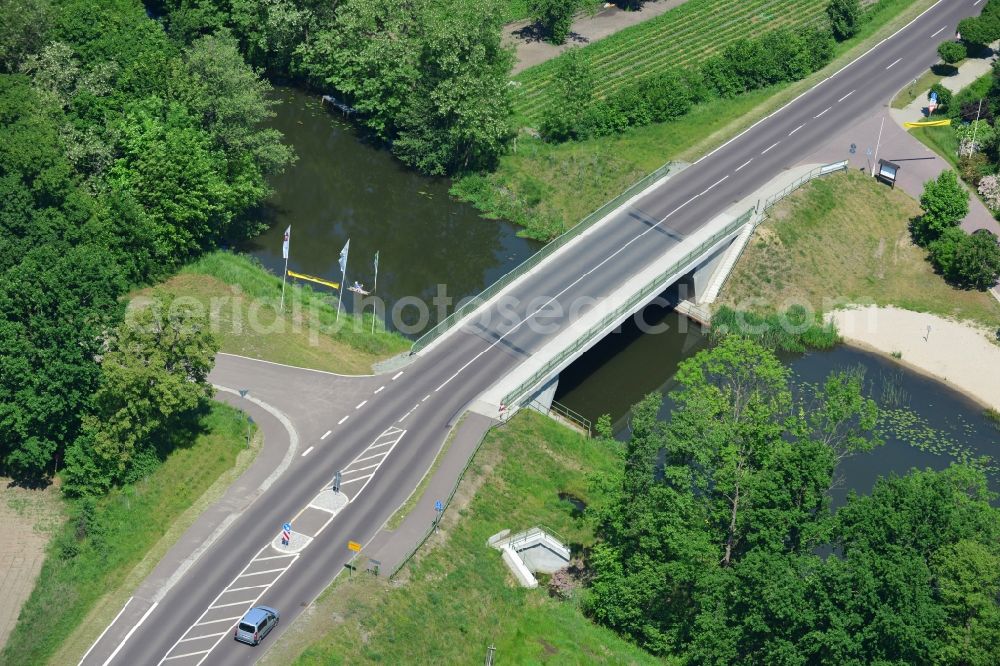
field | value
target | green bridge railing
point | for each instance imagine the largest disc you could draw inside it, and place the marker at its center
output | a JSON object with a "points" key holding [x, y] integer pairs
{"points": [[651, 288], [486, 294]]}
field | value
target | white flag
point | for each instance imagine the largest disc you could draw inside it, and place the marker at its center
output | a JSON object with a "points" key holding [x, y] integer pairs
{"points": [[343, 257], [284, 243]]}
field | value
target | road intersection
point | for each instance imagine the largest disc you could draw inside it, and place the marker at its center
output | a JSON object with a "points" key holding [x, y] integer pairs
{"points": [[338, 420]]}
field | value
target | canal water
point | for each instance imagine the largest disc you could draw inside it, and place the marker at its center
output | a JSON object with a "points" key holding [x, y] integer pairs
{"points": [[924, 423], [342, 187]]}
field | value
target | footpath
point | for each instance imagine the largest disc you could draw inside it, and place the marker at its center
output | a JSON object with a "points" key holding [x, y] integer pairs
{"points": [[531, 49]]}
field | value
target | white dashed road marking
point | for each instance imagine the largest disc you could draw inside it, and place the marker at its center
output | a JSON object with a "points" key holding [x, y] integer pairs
{"points": [[380, 389], [940, 30], [371, 460], [744, 164], [325, 435], [894, 62], [765, 151], [361, 404], [796, 130], [307, 451], [823, 112], [341, 421], [845, 97], [397, 375]]}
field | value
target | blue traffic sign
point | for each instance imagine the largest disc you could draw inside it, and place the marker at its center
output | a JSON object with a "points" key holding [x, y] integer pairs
{"points": [[286, 527], [438, 506]]}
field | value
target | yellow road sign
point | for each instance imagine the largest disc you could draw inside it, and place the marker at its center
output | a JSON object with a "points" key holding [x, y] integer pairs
{"points": [[354, 545], [313, 278], [929, 123]]}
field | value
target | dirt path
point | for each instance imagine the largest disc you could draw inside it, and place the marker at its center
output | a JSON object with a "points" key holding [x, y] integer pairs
{"points": [[28, 519], [531, 50]]}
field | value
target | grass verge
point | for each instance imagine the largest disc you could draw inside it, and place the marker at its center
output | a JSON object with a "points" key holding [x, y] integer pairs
{"points": [[845, 239], [242, 300], [941, 140], [98, 548], [455, 598], [919, 86], [547, 188]]}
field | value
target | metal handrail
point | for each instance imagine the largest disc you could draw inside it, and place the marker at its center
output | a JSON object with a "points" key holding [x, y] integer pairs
{"points": [[824, 170], [489, 292], [512, 399]]}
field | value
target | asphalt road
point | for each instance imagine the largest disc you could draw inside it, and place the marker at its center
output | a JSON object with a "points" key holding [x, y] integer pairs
{"points": [[429, 395]]}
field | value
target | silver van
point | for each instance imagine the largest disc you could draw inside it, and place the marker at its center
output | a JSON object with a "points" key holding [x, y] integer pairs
{"points": [[257, 623]]}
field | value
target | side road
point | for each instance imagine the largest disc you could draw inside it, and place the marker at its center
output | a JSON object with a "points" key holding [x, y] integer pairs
{"points": [[531, 50], [287, 404]]}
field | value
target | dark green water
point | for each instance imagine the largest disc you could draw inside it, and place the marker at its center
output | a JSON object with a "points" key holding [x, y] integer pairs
{"points": [[925, 424], [342, 187]]}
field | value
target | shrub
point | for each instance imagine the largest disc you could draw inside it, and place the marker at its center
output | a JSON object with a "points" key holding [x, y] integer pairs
{"points": [[980, 30], [975, 137], [846, 17], [945, 203], [555, 17], [976, 263], [943, 249], [943, 96], [974, 167], [989, 189], [951, 52]]}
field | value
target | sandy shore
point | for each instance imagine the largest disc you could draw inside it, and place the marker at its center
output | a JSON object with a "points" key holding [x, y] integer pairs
{"points": [[957, 353]]}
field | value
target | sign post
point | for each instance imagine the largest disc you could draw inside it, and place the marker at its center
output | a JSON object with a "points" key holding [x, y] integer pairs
{"points": [[336, 484], [286, 534], [439, 508]]}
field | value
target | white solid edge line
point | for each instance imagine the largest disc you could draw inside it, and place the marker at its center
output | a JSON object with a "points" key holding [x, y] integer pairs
{"points": [[818, 84], [425, 398], [361, 404], [91, 648], [396, 376], [198, 638], [706, 190], [190, 654], [130, 632], [703, 157], [343, 419], [325, 435], [286, 365], [307, 452], [225, 619]]}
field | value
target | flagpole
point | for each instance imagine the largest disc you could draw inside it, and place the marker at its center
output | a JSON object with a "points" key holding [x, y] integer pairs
{"points": [[374, 288], [343, 276], [284, 276]]}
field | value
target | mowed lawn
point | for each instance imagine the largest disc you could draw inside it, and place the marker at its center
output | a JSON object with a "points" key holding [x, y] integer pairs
{"points": [[457, 598], [845, 239], [684, 36], [243, 300]]}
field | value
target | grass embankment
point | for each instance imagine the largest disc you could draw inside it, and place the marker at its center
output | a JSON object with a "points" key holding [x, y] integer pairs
{"points": [[110, 546], [942, 140], [845, 239], [456, 598], [242, 299], [546, 188]]}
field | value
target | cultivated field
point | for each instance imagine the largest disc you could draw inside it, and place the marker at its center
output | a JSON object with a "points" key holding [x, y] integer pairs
{"points": [[683, 36]]}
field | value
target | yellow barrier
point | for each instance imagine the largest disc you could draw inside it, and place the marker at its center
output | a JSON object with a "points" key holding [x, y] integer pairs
{"points": [[313, 278], [928, 123]]}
